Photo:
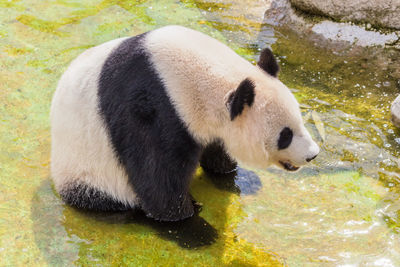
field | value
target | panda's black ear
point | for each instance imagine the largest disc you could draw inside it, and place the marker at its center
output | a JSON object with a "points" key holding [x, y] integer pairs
{"points": [[268, 62], [243, 95]]}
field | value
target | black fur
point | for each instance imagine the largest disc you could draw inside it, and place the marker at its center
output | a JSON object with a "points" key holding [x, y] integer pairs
{"points": [[151, 142], [86, 197], [268, 62], [239, 181], [243, 95], [285, 138], [215, 160]]}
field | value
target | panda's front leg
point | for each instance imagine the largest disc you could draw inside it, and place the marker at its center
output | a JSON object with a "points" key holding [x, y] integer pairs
{"points": [[161, 181], [166, 197], [215, 159]]}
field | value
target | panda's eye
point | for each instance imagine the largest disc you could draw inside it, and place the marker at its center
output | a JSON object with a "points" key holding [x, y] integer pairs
{"points": [[285, 138]]}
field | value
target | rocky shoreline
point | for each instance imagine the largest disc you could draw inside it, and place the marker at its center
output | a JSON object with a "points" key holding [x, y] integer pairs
{"points": [[366, 29]]}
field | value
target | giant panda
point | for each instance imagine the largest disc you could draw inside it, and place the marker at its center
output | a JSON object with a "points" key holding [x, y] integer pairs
{"points": [[132, 118]]}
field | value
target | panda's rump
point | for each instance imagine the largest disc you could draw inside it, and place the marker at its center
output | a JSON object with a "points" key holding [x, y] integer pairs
{"points": [[82, 159]]}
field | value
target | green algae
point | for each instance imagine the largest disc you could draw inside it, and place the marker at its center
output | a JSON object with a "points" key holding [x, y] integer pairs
{"points": [[342, 209]]}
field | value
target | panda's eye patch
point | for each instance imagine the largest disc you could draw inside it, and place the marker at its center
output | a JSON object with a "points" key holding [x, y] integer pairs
{"points": [[285, 138]]}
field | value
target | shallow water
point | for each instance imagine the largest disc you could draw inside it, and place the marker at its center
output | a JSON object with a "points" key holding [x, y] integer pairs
{"points": [[341, 209]]}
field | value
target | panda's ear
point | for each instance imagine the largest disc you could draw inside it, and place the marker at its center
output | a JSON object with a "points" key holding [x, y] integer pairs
{"points": [[243, 95], [268, 62]]}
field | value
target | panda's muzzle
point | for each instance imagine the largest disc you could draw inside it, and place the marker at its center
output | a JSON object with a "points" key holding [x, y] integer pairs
{"points": [[288, 166]]}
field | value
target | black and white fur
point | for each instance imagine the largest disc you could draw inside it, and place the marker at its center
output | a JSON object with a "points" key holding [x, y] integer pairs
{"points": [[132, 118]]}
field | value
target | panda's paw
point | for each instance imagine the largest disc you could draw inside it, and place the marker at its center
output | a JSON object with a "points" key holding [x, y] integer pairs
{"points": [[176, 216], [177, 212]]}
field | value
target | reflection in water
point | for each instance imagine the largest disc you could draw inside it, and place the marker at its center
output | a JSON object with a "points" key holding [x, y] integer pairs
{"points": [[240, 181], [67, 236], [52, 239], [191, 233]]}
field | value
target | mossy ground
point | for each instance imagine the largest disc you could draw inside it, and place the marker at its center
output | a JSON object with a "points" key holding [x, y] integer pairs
{"points": [[341, 209]]}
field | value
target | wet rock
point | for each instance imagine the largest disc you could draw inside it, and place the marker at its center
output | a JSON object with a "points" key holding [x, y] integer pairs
{"points": [[353, 34], [281, 12], [396, 112], [382, 13], [378, 48]]}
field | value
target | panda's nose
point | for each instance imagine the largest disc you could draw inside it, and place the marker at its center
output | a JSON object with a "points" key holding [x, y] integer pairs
{"points": [[310, 159]]}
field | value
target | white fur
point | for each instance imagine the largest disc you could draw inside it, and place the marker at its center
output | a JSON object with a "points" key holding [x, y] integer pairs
{"points": [[80, 145], [199, 72]]}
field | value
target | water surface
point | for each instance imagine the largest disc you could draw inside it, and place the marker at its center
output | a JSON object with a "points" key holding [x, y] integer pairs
{"points": [[341, 209]]}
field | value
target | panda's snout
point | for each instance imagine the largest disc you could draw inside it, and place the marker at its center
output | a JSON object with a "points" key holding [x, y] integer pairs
{"points": [[314, 151], [310, 159]]}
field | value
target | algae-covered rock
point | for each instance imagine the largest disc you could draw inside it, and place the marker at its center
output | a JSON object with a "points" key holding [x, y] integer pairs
{"points": [[380, 12]]}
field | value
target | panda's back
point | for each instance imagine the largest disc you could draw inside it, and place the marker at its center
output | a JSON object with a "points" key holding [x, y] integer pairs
{"points": [[188, 48]]}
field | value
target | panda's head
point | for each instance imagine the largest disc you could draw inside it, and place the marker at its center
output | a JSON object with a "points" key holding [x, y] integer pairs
{"points": [[265, 125]]}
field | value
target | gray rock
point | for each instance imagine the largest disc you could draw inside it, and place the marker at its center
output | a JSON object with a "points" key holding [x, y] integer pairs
{"points": [[396, 112], [353, 34], [382, 13], [281, 13]]}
